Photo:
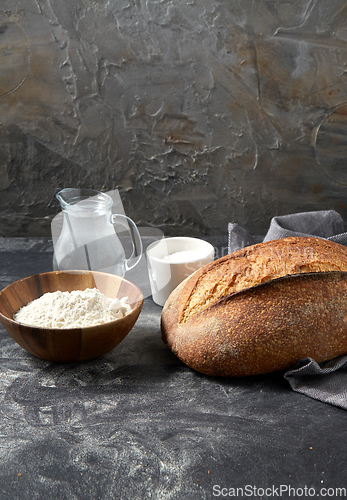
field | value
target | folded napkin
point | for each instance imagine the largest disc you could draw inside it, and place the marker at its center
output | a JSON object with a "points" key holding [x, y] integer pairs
{"points": [[326, 224], [326, 382]]}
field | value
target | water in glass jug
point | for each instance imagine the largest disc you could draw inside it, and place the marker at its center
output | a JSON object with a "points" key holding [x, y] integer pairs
{"points": [[88, 239]]}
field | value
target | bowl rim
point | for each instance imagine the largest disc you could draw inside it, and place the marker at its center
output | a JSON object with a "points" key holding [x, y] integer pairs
{"points": [[137, 305]]}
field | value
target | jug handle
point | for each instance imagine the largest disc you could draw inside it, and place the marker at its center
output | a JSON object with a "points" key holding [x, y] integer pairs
{"points": [[130, 225]]}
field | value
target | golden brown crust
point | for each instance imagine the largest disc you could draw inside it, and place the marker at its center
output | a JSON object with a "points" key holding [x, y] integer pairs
{"points": [[258, 264], [293, 304]]}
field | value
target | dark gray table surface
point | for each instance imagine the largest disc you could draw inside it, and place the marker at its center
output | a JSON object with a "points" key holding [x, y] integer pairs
{"points": [[139, 424]]}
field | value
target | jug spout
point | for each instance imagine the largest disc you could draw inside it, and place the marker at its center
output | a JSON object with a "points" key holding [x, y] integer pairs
{"points": [[69, 196], [60, 198]]}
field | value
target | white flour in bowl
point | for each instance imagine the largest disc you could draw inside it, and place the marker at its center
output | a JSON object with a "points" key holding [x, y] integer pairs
{"points": [[72, 309]]}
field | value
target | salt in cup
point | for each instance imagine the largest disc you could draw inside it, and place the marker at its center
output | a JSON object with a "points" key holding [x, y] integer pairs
{"points": [[171, 260]]}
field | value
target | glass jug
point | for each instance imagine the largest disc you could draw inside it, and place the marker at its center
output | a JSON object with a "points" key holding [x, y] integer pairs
{"points": [[88, 239]]}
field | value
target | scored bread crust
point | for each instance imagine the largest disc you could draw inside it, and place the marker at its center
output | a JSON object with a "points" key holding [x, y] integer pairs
{"points": [[261, 309]]}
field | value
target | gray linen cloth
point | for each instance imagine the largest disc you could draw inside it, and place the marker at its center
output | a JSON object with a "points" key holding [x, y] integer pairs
{"points": [[326, 382]]}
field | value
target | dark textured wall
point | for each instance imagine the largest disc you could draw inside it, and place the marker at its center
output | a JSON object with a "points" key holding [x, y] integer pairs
{"points": [[200, 112]]}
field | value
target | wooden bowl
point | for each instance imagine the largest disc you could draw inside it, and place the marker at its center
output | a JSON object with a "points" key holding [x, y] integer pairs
{"points": [[73, 344]]}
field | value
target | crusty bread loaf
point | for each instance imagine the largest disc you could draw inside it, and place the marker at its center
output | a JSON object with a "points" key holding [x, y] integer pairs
{"points": [[261, 309]]}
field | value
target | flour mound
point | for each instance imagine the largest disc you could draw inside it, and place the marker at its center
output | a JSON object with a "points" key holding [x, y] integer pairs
{"points": [[74, 309]]}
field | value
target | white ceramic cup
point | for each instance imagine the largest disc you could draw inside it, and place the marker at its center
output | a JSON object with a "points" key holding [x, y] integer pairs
{"points": [[171, 260]]}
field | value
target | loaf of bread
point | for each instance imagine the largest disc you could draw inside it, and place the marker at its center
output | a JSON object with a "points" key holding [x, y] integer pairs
{"points": [[261, 309]]}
